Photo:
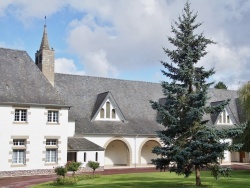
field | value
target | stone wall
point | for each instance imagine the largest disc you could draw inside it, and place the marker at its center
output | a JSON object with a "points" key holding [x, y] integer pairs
{"points": [[41, 172]]}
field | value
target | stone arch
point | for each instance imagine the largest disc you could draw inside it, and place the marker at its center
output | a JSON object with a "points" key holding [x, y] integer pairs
{"points": [[111, 153], [145, 152]]}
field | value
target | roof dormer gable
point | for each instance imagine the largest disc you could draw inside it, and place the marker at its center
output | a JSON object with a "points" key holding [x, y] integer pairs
{"points": [[106, 109], [224, 118]]}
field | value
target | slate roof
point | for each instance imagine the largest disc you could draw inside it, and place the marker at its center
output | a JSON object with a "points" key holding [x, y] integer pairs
{"points": [[21, 82], [132, 97], [82, 144], [84, 92]]}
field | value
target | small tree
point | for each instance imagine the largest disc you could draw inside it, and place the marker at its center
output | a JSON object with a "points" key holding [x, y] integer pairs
{"points": [[61, 171], [188, 141], [73, 166], [94, 165], [220, 85]]}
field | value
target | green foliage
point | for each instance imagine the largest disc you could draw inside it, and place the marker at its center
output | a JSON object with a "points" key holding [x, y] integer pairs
{"points": [[65, 181], [220, 85], [73, 166], [188, 141], [244, 96], [94, 165], [73, 180], [61, 171], [161, 164], [217, 170]]}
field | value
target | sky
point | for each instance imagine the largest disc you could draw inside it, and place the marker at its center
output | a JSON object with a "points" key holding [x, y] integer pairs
{"points": [[124, 38]]}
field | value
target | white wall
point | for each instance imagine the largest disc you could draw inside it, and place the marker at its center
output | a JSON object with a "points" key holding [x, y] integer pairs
{"points": [[90, 156], [36, 129]]}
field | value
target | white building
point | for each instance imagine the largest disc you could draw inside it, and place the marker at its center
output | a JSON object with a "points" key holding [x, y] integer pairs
{"points": [[48, 118]]}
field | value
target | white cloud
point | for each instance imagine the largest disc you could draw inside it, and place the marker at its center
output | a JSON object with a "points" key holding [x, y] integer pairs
{"points": [[114, 36], [67, 66], [96, 64]]}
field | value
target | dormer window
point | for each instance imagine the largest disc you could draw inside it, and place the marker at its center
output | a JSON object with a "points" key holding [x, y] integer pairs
{"points": [[107, 112], [106, 109], [224, 118]]}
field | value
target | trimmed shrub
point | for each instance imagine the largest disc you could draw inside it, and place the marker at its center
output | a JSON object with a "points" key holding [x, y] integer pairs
{"points": [[94, 165], [61, 171], [73, 166]]}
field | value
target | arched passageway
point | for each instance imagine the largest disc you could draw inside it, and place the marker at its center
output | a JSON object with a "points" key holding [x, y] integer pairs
{"points": [[146, 152], [117, 153]]}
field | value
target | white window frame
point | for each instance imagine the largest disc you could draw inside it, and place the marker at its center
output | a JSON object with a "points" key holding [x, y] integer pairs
{"points": [[224, 118], [53, 116], [51, 155], [19, 142], [111, 117], [21, 115], [19, 156], [51, 142]]}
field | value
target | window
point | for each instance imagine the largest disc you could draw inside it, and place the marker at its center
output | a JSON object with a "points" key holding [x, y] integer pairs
{"points": [[102, 113], [96, 156], [84, 157], [113, 114], [108, 110], [53, 116], [51, 150], [51, 155], [18, 156], [51, 142], [20, 115], [19, 151], [18, 142], [224, 118]]}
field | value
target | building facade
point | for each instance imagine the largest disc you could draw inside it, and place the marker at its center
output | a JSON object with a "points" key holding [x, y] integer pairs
{"points": [[49, 118]]}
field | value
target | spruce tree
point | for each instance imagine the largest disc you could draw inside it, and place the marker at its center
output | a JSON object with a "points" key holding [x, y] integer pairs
{"points": [[189, 143]]}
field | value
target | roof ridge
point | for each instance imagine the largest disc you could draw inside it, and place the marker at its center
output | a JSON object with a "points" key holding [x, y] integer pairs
{"points": [[140, 81], [12, 49]]}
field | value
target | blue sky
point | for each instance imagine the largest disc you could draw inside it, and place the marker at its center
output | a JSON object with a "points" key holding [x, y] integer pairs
{"points": [[124, 38]]}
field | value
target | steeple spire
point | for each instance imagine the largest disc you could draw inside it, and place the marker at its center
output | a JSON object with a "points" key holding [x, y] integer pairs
{"points": [[45, 57], [45, 42]]}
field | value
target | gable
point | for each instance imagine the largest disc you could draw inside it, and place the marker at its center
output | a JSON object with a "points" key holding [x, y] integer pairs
{"points": [[106, 109], [225, 118]]}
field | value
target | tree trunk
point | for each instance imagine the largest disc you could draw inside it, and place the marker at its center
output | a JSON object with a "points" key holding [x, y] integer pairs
{"points": [[198, 175]]}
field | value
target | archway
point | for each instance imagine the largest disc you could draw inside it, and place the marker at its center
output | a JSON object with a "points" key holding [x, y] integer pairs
{"points": [[145, 151], [117, 152]]}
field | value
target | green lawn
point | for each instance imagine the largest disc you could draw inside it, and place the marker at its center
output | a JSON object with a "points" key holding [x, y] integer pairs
{"points": [[238, 179]]}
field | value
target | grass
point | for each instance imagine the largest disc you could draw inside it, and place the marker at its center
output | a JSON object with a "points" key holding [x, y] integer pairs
{"points": [[238, 179]]}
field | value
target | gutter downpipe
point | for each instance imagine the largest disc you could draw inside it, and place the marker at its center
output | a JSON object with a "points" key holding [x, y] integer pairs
{"points": [[135, 149]]}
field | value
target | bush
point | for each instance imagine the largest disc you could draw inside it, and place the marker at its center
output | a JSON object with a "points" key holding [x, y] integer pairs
{"points": [[65, 181], [94, 165], [73, 180], [87, 176], [217, 170], [61, 171], [73, 166]]}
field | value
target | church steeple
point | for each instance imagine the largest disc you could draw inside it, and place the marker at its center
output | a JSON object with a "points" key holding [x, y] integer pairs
{"points": [[45, 57], [45, 41]]}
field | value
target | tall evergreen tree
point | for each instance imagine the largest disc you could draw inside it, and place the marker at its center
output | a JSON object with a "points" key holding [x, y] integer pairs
{"points": [[188, 142]]}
